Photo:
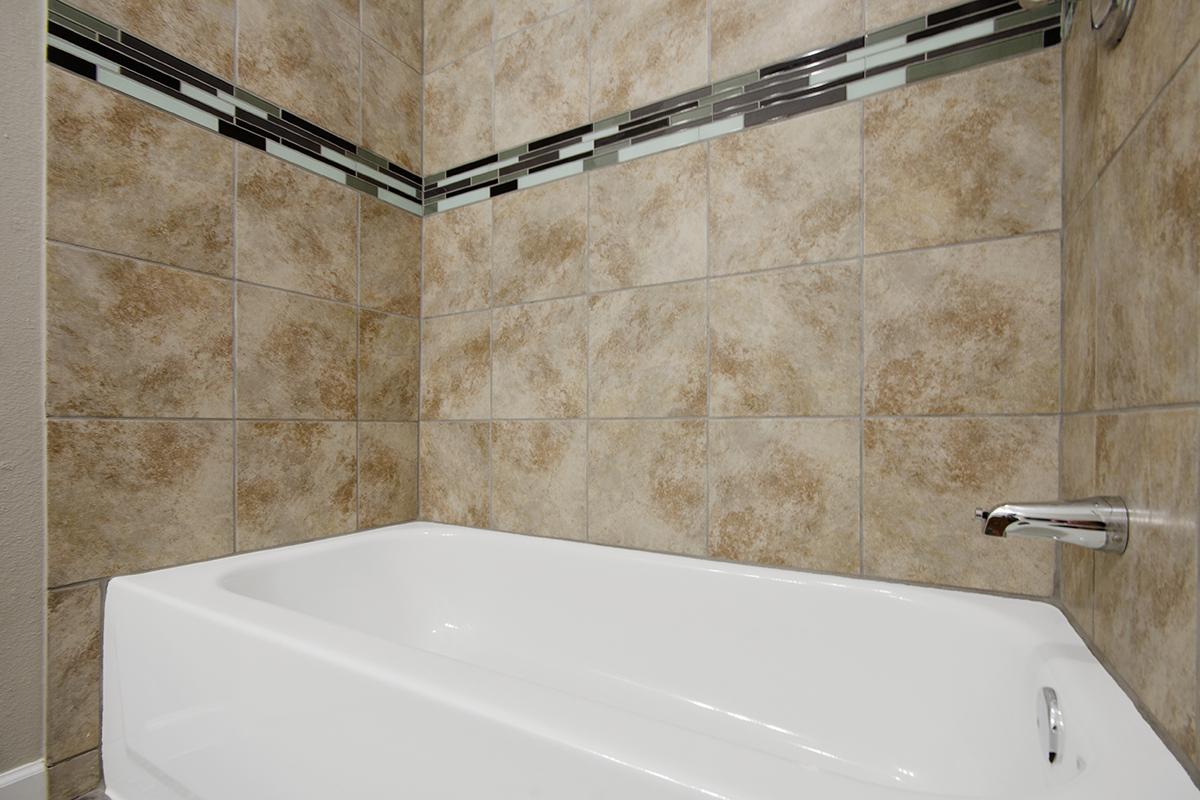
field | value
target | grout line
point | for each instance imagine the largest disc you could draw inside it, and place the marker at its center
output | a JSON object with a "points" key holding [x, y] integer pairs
{"points": [[708, 394], [358, 359], [233, 292], [587, 359], [862, 332]]}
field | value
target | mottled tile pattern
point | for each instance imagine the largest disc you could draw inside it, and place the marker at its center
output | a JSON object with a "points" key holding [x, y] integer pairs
{"points": [[947, 467], [126, 178], [387, 473], [1081, 258], [295, 230], [454, 28], [397, 25], [124, 338], [646, 484], [389, 258], [72, 670], [539, 477], [539, 244], [74, 777], [786, 342], [1082, 158], [970, 156], [125, 496], [1077, 479], [784, 492], [539, 359], [787, 193], [458, 260], [389, 366], [746, 34], [647, 220], [455, 464], [456, 367], [457, 123], [295, 356], [513, 15], [391, 107], [199, 33], [295, 481], [881, 13]]}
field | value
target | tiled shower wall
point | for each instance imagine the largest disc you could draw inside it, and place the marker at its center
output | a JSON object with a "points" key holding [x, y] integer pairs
{"points": [[231, 341], [1131, 347]]}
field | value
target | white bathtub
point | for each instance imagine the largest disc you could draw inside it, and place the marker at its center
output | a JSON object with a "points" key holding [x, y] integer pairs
{"points": [[429, 661]]}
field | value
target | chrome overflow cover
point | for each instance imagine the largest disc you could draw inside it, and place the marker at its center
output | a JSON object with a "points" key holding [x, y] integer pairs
{"points": [[1050, 719]]}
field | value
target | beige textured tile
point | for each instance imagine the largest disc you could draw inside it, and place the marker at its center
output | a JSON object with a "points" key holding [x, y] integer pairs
{"points": [[539, 248], [389, 366], [646, 51], [391, 107], [1148, 313], [513, 15], [347, 8], [881, 13], [72, 671], [539, 478], [124, 177], [387, 473], [947, 467], [455, 468], [648, 220], [648, 353], [966, 329], [1081, 264], [389, 258], [397, 25], [125, 338], [125, 496], [786, 342], [1082, 158], [199, 33], [454, 28], [787, 193], [456, 367], [539, 359], [646, 484], [748, 34], [295, 230], [301, 55], [295, 481], [1145, 602], [458, 112], [970, 156], [458, 260], [1077, 479], [76, 776], [542, 79], [295, 356], [785, 492]]}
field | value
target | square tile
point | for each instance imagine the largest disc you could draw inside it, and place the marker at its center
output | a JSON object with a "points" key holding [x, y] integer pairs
{"points": [[539, 359], [748, 34], [398, 26], [1082, 157], [73, 621], [455, 466], [458, 112], [1081, 267], [199, 33], [513, 15], [389, 366], [456, 367], [1077, 479], [539, 247], [387, 473], [74, 777], [454, 28], [389, 258], [539, 478], [391, 107], [458, 260]]}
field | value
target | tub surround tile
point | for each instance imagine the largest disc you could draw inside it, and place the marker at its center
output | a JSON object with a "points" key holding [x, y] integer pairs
{"points": [[200, 33], [295, 230], [130, 495], [454, 28], [646, 484], [295, 356], [387, 473], [539, 477], [458, 260], [1077, 479], [73, 671], [458, 112], [882, 13], [539, 242], [1082, 156], [134, 339], [389, 258], [1081, 257], [391, 107], [398, 26], [539, 359], [455, 465], [784, 492], [456, 367], [389, 366], [749, 33], [74, 777], [513, 15]]}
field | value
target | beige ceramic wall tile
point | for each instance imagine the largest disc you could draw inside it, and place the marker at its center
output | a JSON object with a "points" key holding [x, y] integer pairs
{"points": [[785, 492], [301, 55], [513, 15], [1081, 264], [123, 177], [387, 473], [1082, 158], [458, 260], [1148, 312], [539, 478], [970, 156], [458, 112], [199, 33], [747, 34], [455, 468], [647, 352], [966, 329], [1077, 479], [1145, 601], [72, 671], [646, 484], [787, 193], [124, 338], [389, 258], [295, 481], [456, 367], [947, 467], [126, 496], [540, 242], [646, 51], [647, 220], [397, 25], [881, 13], [389, 366], [542, 79], [391, 107], [539, 359], [454, 28], [786, 342], [74, 777], [295, 230], [346, 8], [295, 356]]}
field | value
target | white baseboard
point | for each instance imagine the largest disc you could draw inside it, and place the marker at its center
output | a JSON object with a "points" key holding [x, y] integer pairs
{"points": [[26, 782]]}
